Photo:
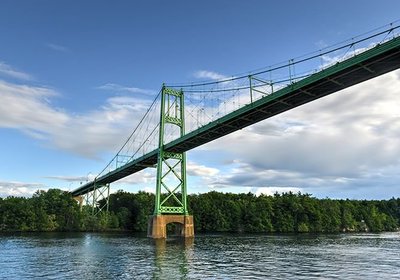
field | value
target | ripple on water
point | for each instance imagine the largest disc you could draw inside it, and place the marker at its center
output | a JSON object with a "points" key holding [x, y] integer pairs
{"points": [[123, 256]]}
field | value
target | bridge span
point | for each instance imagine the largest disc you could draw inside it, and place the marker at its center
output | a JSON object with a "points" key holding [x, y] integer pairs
{"points": [[354, 69]]}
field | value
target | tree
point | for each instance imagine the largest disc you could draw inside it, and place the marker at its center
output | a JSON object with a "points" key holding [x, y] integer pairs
{"points": [[56, 210]]}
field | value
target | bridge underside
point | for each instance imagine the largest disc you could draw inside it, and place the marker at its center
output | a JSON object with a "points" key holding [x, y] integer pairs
{"points": [[367, 65], [333, 79]]}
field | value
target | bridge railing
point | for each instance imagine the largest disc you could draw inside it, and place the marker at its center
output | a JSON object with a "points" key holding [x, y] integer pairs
{"points": [[208, 101]]}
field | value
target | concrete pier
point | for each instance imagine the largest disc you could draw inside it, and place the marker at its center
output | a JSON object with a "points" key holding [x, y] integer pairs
{"points": [[157, 226]]}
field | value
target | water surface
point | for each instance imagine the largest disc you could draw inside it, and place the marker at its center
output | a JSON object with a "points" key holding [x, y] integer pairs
{"points": [[127, 256]]}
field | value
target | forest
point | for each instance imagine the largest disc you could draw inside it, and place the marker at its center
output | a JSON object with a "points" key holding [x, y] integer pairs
{"points": [[56, 210]]}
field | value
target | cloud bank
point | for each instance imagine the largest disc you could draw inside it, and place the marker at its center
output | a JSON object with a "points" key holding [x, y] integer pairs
{"points": [[345, 141], [18, 188], [28, 109]]}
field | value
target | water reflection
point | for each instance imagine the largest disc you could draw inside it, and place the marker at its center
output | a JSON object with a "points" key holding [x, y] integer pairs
{"points": [[172, 257], [128, 256]]}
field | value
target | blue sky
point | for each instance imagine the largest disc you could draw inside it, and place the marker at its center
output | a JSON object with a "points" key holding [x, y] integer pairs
{"points": [[76, 76]]}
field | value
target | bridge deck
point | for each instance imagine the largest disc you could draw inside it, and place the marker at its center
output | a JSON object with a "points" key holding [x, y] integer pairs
{"points": [[367, 65]]}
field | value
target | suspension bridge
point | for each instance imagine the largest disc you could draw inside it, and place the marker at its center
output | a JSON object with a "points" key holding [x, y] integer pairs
{"points": [[185, 116]]}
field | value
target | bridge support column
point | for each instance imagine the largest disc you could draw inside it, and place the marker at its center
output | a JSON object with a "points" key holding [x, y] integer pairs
{"points": [[171, 195], [157, 226], [79, 199]]}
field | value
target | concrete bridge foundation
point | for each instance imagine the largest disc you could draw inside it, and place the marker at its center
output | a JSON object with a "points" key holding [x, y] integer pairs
{"points": [[79, 199], [157, 226]]}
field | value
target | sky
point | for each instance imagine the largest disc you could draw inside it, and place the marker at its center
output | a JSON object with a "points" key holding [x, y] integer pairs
{"points": [[76, 77]]}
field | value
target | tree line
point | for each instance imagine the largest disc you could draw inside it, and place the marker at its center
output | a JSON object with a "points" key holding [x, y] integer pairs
{"points": [[56, 210]]}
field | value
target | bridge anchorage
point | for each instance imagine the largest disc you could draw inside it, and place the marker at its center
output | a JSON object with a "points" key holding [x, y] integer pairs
{"points": [[171, 194]]}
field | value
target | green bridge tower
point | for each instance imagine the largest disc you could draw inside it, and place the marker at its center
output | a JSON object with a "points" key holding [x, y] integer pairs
{"points": [[171, 194]]}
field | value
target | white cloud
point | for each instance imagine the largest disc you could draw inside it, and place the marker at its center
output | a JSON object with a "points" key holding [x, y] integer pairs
{"points": [[141, 178], [28, 109], [8, 71], [56, 47], [119, 88], [149, 190], [144, 180], [245, 174], [194, 169], [343, 54], [321, 44], [14, 188], [336, 143], [204, 74], [101, 127], [71, 178]]}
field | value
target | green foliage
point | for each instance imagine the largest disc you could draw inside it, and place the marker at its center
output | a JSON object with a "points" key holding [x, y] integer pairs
{"points": [[288, 212], [55, 210], [16, 214], [131, 209]]}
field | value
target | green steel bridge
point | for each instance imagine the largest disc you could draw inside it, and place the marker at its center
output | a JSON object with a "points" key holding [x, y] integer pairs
{"points": [[195, 114]]}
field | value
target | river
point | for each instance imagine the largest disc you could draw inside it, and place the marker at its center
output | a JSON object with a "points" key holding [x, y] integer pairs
{"points": [[220, 256]]}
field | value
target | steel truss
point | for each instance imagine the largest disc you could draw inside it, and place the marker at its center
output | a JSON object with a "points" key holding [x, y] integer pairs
{"points": [[95, 196], [171, 166]]}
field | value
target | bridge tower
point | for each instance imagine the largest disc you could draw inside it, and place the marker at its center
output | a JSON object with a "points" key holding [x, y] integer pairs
{"points": [[171, 195]]}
